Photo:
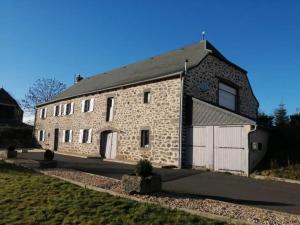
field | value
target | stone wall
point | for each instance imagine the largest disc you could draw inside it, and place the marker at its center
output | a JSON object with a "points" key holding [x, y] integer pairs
{"points": [[212, 70], [208, 73], [161, 115]]}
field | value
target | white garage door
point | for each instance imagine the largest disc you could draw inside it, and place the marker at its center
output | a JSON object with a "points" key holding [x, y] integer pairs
{"points": [[222, 148], [200, 145], [230, 148]]}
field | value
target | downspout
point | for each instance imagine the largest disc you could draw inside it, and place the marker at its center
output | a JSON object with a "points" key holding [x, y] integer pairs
{"points": [[249, 146], [180, 115]]}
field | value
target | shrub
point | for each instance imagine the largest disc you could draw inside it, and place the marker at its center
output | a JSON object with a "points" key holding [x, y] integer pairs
{"points": [[143, 168], [11, 148], [48, 155]]}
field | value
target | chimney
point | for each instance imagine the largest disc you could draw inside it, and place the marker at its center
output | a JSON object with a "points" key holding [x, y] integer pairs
{"points": [[78, 78]]}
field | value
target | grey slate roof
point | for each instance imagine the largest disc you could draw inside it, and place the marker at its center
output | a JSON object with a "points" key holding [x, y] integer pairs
{"points": [[7, 99], [153, 68], [205, 114]]}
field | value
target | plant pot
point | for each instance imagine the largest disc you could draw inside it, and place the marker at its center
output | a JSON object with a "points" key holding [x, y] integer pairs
{"points": [[44, 164], [142, 185], [5, 154]]}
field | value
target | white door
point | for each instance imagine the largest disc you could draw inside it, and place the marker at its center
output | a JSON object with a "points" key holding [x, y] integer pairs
{"points": [[200, 145], [221, 148], [230, 149], [111, 145]]}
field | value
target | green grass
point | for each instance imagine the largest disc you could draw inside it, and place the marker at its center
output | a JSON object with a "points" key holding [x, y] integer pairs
{"points": [[288, 172], [27, 197]]}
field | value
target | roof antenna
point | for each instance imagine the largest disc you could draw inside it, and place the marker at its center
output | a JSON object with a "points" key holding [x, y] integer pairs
{"points": [[203, 35]]}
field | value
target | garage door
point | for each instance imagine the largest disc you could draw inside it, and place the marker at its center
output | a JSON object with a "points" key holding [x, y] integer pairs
{"points": [[200, 145], [221, 148], [230, 148]]}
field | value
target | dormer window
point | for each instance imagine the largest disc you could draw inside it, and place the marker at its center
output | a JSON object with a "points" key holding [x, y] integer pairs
{"points": [[227, 96]]}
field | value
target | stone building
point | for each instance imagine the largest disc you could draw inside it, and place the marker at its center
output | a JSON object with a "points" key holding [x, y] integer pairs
{"points": [[165, 109], [10, 111]]}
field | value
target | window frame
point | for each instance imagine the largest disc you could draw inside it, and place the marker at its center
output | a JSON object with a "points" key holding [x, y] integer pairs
{"points": [[232, 86], [147, 97], [83, 138], [67, 136], [56, 110], [41, 135], [110, 109], [145, 140], [87, 105], [43, 113]]}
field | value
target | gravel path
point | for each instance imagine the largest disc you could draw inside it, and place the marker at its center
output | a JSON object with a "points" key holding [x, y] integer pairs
{"points": [[234, 211]]}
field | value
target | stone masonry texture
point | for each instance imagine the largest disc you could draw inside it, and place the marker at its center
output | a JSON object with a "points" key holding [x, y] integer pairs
{"points": [[161, 116]]}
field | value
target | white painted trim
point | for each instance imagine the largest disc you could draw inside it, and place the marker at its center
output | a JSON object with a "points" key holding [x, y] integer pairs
{"points": [[71, 136], [92, 100], [90, 136], [72, 108], [82, 105], [80, 135]]}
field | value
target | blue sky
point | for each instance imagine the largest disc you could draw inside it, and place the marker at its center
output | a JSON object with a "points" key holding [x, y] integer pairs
{"points": [[60, 38]]}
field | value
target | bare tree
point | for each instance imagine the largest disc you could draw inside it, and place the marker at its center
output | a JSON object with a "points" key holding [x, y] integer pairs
{"points": [[43, 90]]}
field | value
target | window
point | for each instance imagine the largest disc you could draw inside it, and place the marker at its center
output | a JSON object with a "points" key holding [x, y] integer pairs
{"points": [[56, 110], [87, 105], [109, 109], [42, 135], [67, 136], [145, 138], [85, 136], [43, 113], [147, 97], [227, 96], [68, 108]]}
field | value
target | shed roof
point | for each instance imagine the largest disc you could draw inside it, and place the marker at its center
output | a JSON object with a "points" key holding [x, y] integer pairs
{"points": [[205, 114]]}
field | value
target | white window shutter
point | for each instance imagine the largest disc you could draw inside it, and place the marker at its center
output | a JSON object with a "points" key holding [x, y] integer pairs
{"points": [[59, 111], [90, 136], [82, 105], [72, 108], [54, 110], [111, 112], [63, 136], [41, 113], [80, 135], [65, 109], [45, 112], [71, 136], [92, 105], [44, 132]]}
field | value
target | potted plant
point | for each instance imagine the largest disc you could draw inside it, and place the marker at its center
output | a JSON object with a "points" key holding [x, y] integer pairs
{"points": [[48, 161], [143, 181]]}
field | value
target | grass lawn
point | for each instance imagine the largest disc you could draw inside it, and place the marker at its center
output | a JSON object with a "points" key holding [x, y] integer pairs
{"points": [[289, 172], [27, 197]]}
